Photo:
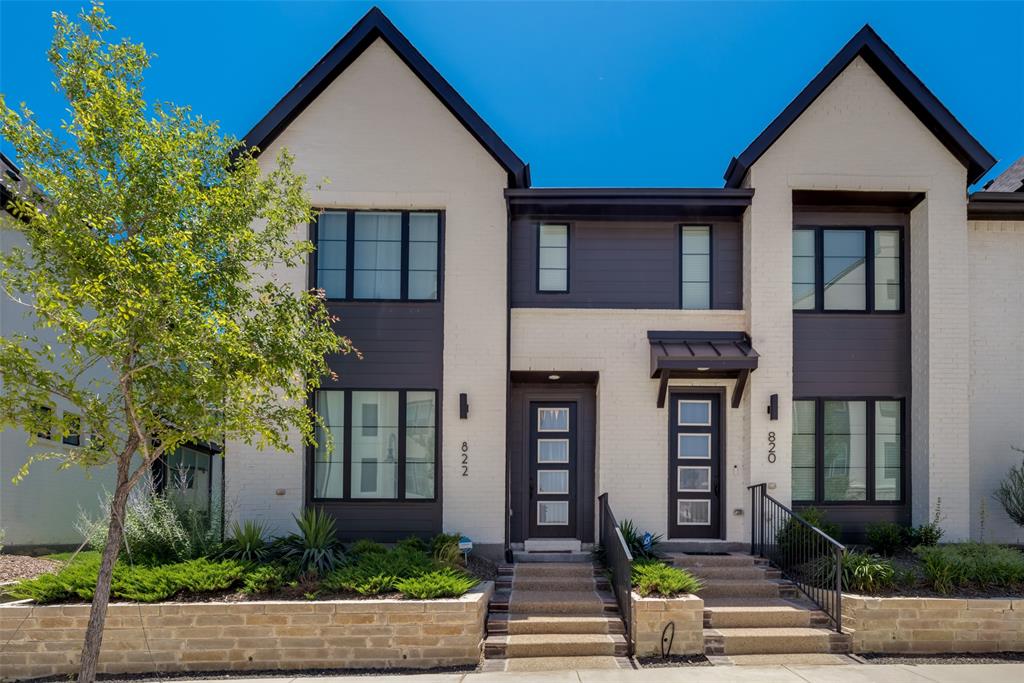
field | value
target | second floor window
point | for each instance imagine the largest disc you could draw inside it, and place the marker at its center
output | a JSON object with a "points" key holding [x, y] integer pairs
{"points": [[378, 255], [553, 258], [847, 270], [696, 266]]}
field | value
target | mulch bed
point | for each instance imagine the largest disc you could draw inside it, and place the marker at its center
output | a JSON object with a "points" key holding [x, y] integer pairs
{"points": [[987, 658], [672, 660], [268, 673], [14, 567], [907, 561]]}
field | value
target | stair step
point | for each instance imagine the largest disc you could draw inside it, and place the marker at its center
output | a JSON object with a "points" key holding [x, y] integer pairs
{"points": [[546, 664], [556, 645], [559, 569], [744, 616], [571, 584], [796, 659], [730, 560], [561, 602], [519, 624], [752, 573], [523, 557], [769, 588], [750, 641]]}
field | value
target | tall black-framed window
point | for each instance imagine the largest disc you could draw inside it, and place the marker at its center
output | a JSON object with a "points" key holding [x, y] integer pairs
{"points": [[378, 255], [848, 269], [848, 450], [384, 445], [552, 257], [695, 267]]}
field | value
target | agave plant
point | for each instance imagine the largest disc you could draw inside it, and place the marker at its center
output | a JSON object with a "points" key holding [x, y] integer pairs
{"points": [[248, 542], [641, 545], [315, 548]]}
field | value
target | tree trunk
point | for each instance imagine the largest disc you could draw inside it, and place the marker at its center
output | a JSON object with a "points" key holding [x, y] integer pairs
{"points": [[98, 613]]}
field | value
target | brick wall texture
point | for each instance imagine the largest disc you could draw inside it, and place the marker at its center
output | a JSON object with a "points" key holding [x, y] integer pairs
{"points": [[932, 625], [652, 615], [414, 634]]}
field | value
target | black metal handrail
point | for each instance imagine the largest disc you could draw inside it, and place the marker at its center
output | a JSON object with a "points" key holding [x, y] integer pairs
{"points": [[620, 562], [805, 554]]}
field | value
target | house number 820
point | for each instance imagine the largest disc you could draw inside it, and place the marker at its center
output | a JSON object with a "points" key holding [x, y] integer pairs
{"points": [[465, 459], [771, 446]]}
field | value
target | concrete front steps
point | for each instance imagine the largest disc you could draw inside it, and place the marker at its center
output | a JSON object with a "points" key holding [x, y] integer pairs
{"points": [[553, 616], [751, 612]]}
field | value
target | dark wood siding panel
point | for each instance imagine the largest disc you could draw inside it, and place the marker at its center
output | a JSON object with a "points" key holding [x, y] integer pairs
{"points": [[401, 346], [851, 355], [727, 265], [384, 522], [624, 264]]}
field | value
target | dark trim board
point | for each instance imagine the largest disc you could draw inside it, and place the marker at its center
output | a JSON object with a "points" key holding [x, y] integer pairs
{"points": [[996, 206], [680, 204], [372, 26], [901, 80]]}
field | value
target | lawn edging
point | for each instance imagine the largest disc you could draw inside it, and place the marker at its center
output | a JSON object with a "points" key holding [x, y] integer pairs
{"points": [[651, 615], [924, 625], [46, 640]]}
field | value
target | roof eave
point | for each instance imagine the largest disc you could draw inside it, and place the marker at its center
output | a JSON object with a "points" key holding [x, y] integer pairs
{"points": [[998, 206]]}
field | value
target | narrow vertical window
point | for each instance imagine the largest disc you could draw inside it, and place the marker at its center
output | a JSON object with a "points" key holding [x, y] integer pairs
{"points": [[887, 270], [553, 258], [420, 444], [845, 447], [423, 256], [845, 268], [804, 279], [329, 469], [377, 258], [73, 426], [332, 254], [374, 444], [888, 450], [803, 450], [696, 267]]}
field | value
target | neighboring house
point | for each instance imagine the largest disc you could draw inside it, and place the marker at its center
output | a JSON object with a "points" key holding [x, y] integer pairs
{"points": [[41, 512]]}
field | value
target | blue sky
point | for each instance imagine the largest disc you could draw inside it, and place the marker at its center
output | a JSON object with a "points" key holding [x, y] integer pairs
{"points": [[590, 94]]}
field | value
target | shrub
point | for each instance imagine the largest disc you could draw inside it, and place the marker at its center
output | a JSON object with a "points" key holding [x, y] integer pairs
{"points": [[794, 537], [886, 538], [379, 572], [266, 578], [413, 543], [442, 583], [140, 583], [652, 577], [1010, 493], [982, 565], [445, 549], [248, 542], [315, 548], [642, 545], [366, 547], [927, 534], [865, 573]]}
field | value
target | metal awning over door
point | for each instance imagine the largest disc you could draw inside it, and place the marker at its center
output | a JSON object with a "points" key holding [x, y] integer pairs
{"points": [[701, 355]]}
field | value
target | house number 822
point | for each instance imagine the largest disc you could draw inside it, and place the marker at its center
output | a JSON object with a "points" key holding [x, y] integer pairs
{"points": [[771, 446], [465, 459]]}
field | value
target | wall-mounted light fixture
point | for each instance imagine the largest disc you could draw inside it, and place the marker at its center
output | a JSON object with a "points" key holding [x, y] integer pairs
{"points": [[773, 407], [463, 406]]}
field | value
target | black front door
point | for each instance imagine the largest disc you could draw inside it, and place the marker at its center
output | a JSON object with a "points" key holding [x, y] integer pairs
{"points": [[552, 456], [695, 466]]}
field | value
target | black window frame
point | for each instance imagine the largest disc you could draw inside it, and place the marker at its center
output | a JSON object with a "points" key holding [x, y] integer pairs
{"points": [[869, 455], [711, 264], [346, 459], [350, 218], [74, 435], [869, 274], [568, 258]]}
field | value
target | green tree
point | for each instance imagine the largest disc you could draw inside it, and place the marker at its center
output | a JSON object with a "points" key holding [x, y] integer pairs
{"points": [[1010, 493], [150, 242]]}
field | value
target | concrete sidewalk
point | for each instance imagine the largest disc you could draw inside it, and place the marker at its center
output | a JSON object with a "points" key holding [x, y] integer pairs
{"points": [[860, 673]]}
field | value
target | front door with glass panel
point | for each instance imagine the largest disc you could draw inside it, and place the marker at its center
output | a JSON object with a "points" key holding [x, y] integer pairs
{"points": [[694, 466], [552, 469]]}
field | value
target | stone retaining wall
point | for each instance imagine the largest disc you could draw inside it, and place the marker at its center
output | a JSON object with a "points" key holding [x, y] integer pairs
{"points": [[934, 625], [417, 634], [652, 615]]}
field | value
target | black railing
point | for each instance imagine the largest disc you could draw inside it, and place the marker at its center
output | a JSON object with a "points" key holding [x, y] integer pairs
{"points": [[805, 554], [620, 562]]}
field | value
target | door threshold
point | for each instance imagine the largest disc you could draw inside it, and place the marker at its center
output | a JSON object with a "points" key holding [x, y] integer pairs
{"points": [[553, 545]]}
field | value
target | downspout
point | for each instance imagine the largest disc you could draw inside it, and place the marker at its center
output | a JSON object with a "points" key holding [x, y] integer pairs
{"points": [[508, 377]]}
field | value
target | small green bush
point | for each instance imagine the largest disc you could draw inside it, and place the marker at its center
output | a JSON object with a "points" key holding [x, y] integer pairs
{"points": [[442, 583], [379, 572], [794, 537], [981, 565], [445, 549], [927, 534], [886, 538], [865, 573], [651, 577], [315, 548], [266, 578], [248, 542], [413, 543], [1010, 493], [634, 539], [365, 546]]}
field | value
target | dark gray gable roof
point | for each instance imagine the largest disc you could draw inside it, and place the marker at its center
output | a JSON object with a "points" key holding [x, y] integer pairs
{"points": [[372, 26], [1010, 180], [901, 80]]}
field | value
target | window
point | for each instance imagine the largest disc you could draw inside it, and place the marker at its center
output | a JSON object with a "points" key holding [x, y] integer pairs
{"points": [[385, 445], [378, 255], [553, 258], [43, 421], [73, 425], [847, 450], [847, 270], [696, 267]]}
